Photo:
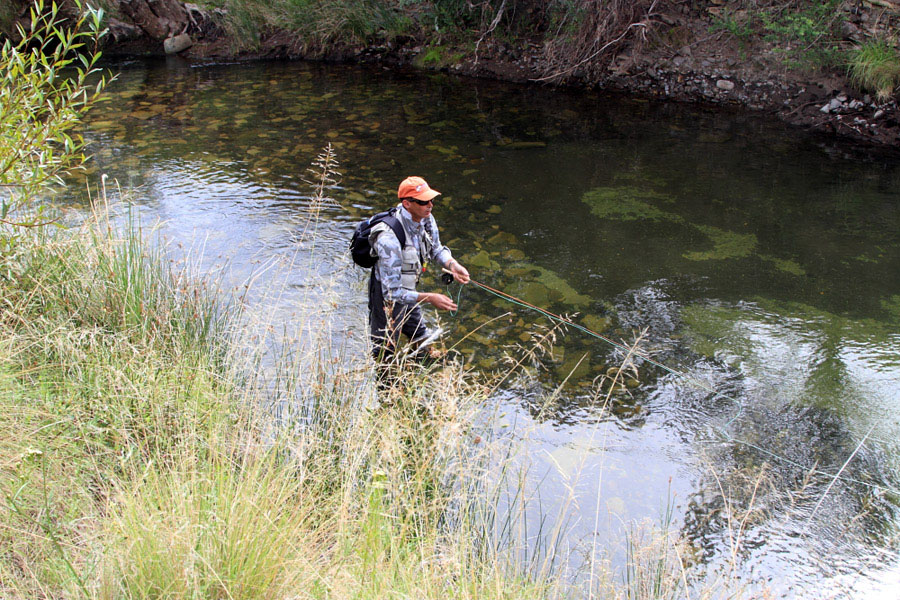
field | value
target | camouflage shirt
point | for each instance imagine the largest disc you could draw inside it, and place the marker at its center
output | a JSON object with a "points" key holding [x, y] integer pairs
{"points": [[387, 247]]}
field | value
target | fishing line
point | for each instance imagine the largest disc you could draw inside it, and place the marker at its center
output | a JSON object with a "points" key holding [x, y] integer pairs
{"points": [[678, 374]]}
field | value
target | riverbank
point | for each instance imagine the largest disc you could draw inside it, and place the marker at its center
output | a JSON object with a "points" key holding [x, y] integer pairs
{"points": [[141, 456], [790, 59]]}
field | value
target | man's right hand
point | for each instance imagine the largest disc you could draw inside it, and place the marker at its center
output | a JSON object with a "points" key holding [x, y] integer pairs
{"points": [[439, 301]]}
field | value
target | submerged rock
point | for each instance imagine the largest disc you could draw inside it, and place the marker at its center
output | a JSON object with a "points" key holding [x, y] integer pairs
{"points": [[597, 324], [481, 260], [576, 367]]}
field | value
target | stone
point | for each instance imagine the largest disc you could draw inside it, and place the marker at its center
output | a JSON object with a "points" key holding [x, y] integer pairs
{"points": [[481, 260], [835, 104], [878, 114], [161, 20], [575, 367], [596, 324], [178, 43], [724, 84], [502, 238]]}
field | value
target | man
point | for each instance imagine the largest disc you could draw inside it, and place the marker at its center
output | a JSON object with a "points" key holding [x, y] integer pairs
{"points": [[392, 287]]}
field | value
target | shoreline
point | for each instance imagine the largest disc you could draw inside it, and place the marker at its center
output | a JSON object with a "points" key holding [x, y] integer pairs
{"points": [[817, 106], [710, 70], [704, 53]]}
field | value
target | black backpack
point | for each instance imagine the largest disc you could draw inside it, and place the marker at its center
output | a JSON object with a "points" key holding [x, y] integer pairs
{"points": [[360, 249]]}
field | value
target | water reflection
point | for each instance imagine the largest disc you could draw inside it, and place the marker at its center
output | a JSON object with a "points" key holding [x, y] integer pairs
{"points": [[755, 260]]}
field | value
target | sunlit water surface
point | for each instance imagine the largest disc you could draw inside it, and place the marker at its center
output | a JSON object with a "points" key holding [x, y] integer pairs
{"points": [[761, 263]]}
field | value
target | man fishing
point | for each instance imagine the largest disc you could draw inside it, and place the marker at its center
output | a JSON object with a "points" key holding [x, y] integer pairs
{"points": [[392, 286]]}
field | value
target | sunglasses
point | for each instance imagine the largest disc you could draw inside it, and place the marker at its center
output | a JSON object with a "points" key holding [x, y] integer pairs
{"points": [[421, 202]]}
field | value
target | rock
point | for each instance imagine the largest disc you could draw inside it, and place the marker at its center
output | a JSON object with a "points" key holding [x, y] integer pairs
{"points": [[520, 272], [502, 238], [826, 108], [123, 32], [494, 210], [835, 104], [179, 43], [596, 324], [575, 367], [724, 84], [878, 114], [521, 145], [482, 260], [851, 32], [164, 19]]}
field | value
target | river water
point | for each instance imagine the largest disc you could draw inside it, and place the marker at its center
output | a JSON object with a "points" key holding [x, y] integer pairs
{"points": [[760, 262]]}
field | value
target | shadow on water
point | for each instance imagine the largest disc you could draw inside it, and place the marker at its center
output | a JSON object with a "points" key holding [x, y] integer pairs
{"points": [[758, 260]]}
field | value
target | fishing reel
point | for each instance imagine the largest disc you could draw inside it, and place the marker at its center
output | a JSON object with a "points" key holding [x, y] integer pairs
{"points": [[446, 278]]}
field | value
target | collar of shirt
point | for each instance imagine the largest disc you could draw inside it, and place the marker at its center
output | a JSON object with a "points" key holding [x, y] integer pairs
{"points": [[411, 226]]}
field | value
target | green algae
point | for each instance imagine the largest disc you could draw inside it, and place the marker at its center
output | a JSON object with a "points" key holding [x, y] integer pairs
{"points": [[628, 204], [481, 260], [726, 244], [575, 367], [892, 306], [566, 293], [785, 265]]}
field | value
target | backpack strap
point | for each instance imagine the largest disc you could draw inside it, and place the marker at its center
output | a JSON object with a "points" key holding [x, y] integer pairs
{"points": [[396, 226]]}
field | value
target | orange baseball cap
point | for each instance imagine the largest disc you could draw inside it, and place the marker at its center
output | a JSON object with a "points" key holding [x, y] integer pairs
{"points": [[416, 187]]}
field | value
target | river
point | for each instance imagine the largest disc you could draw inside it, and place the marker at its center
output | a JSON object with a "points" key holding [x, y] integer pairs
{"points": [[759, 262]]}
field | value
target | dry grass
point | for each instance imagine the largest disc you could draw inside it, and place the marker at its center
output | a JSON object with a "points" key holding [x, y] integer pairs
{"points": [[140, 458]]}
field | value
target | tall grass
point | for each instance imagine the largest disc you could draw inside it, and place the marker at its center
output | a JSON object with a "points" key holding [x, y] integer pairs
{"points": [[140, 457], [136, 460], [875, 66]]}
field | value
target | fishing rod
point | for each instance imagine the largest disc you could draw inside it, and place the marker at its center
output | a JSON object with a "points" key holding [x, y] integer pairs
{"points": [[569, 322]]}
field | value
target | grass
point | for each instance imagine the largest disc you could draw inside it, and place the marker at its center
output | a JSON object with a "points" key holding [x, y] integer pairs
{"points": [[140, 456], [875, 66], [316, 23], [137, 461]]}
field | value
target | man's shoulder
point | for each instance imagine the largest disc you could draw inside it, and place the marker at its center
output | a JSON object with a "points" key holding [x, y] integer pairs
{"points": [[378, 236]]}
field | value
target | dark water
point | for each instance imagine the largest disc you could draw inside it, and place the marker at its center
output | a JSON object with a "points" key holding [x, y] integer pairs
{"points": [[760, 262]]}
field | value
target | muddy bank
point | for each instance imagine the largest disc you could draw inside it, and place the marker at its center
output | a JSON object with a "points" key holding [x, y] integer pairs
{"points": [[675, 50]]}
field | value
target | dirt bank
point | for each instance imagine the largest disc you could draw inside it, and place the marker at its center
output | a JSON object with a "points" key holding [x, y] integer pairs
{"points": [[698, 51]]}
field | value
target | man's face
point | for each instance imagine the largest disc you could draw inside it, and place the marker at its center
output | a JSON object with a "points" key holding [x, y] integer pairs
{"points": [[416, 209]]}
